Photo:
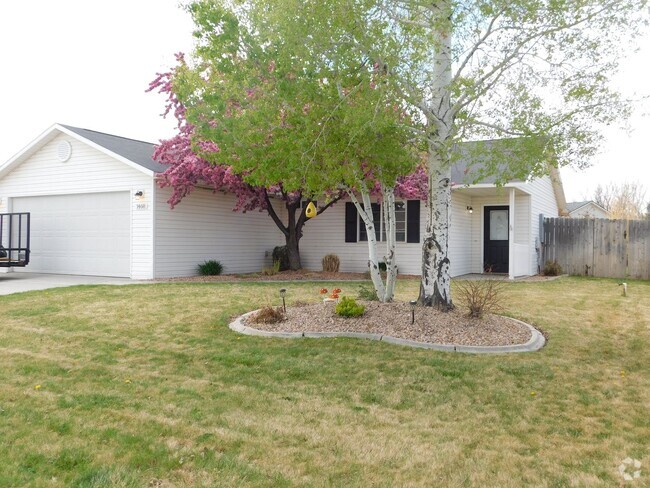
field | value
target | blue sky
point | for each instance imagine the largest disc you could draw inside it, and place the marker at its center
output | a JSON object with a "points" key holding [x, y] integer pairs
{"points": [[87, 64]]}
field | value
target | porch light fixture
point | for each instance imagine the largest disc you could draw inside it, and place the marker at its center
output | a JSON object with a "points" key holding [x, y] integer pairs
{"points": [[470, 209], [139, 195], [413, 303], [283, 293]]}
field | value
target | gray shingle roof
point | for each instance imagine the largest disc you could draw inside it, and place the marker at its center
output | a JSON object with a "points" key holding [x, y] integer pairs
{"points": [[139, 152], [469, 159], [481, 161], [571, 206]]}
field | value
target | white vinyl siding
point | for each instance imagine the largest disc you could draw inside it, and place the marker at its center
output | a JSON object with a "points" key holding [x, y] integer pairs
{"points": [[88, 171], [325, 234], [542, 202], [460, 234], [589, 211], [203, 226]]}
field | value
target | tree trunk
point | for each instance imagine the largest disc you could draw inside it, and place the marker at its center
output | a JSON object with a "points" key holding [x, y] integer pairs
{"points": [[388, 212], [365, 212], [293, 234], [435, 287], [293, 250], [292, 231]]}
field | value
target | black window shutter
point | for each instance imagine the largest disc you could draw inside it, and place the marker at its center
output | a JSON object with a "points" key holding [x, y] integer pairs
{"points": [[350, 222], [413, 221]]}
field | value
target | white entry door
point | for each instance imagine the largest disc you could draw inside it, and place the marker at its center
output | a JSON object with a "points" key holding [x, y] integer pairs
{"points": [[84, 234]]}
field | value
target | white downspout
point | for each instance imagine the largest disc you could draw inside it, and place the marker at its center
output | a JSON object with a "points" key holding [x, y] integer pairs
{"points": [[511, 236]]}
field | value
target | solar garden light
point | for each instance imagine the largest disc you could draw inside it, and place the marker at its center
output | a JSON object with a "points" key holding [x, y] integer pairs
{"points": [[283, 293], [413, 303]]}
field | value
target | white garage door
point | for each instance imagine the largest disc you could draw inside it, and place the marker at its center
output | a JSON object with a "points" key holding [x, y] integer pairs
{"points": [[87, 234]]}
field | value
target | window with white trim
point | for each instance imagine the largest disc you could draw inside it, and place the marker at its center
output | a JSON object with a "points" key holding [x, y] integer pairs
{"points": [[407, 222], [378, 221]]}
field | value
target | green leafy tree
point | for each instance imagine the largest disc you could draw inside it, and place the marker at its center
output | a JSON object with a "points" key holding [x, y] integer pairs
{"points": [[534, 72], [315, 122]]}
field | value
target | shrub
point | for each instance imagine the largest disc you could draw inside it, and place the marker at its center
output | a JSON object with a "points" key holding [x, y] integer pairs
{"points": [[268, 315], [480, 296], [348, 307], [367, 293], [331, 263], [552, 268], [281, 255], [210, 268], [273, 270]]}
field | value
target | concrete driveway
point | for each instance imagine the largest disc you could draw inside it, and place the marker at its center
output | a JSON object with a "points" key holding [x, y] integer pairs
{"points": [[19, 282]]}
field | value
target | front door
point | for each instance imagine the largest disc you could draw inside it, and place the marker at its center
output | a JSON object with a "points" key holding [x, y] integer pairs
{"points": [[495, 241]]}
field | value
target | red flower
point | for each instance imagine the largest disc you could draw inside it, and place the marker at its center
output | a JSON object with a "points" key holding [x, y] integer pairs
{"points": [[323, 291], [336, 290], [334, 295]]}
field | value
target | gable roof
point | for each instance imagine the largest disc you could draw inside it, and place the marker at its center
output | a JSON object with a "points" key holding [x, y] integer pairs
{"points": [[573, 206], [469, 157], [139, 152], [136, 154]]}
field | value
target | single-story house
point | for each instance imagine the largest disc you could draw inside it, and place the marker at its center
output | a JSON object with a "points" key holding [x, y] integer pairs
{"points": [[96, 209], [586, 210]]}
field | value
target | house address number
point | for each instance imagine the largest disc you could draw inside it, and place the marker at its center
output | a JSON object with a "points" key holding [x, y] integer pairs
{"points": [[141, 206]]}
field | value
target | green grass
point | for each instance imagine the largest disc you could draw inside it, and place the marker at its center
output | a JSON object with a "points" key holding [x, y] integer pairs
{"points": [[146, 386]]}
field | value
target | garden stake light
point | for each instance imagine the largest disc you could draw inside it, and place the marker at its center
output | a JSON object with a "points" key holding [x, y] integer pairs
{"points": [[283, 293], [413, 303]]}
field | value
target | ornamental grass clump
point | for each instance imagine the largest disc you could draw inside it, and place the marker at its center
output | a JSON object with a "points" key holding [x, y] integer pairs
{"points": [[331, 263], [480, 297], [348, 307], [268, 315]]}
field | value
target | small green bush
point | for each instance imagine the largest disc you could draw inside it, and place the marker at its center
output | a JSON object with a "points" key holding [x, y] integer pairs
{"points": [[331, 263], [552, 268], [210, 268], [348, 307], [367, 293], [281, 255]]}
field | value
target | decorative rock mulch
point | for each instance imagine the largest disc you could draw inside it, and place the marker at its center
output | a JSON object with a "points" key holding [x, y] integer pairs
{"points": [[394, 320]]}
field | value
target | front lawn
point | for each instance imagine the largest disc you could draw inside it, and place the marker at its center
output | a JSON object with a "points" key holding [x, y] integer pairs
{"points": [[145, 385]]}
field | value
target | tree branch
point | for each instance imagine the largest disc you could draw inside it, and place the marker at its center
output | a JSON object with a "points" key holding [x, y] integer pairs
{"points": [[274, 216]]}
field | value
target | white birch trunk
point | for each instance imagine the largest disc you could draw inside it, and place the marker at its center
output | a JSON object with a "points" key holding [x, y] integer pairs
{"points": [[435, 288], [388, 207], [365, 212]]}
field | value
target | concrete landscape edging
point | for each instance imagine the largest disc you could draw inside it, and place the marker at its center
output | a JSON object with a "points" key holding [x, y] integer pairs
{"points": [[535, 343]]}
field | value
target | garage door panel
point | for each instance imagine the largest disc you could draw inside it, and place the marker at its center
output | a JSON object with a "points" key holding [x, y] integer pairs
{"points": [[87, 234]]}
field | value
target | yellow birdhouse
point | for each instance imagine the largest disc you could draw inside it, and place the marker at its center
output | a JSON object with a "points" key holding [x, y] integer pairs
{"points": [[310, 211]]}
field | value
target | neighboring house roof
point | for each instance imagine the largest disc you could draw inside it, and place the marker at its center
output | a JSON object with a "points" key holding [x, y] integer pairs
{"points": [[574, 206]]}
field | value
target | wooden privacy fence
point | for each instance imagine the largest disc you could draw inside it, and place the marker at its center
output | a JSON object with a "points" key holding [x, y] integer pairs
{"points": [[598, 247]]}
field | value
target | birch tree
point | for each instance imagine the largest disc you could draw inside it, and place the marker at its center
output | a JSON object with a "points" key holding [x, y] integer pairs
{"points": [[473, 69]]}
